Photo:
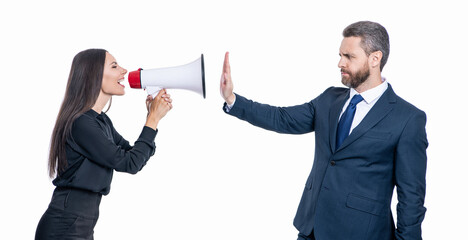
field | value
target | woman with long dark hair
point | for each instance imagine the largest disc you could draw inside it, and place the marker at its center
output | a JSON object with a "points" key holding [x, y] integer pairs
{"points": [[85, 148]]}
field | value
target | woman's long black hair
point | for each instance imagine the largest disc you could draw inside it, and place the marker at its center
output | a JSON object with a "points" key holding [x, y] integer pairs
{"points": [[83, 87]]}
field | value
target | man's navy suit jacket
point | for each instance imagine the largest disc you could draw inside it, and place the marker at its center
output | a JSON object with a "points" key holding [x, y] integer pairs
{"points": [[349, 190]]}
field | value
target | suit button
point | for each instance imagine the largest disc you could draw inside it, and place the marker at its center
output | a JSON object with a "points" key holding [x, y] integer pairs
{"points": [[333, 163]]}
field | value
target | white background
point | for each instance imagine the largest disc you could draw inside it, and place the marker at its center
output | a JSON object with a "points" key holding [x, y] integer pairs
{"points": [[213, 176]]}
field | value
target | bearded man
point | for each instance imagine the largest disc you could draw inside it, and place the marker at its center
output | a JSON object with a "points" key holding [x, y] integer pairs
{"points": [[367, 141]]}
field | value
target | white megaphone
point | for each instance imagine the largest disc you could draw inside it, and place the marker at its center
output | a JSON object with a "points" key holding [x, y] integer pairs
{"points": [[190, 76]]}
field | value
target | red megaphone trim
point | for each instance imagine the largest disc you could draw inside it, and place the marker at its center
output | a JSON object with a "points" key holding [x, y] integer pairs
{"points": [[134, 78]]}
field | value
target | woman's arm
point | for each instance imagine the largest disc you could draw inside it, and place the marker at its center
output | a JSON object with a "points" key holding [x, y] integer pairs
{"points": [[96, 144]]}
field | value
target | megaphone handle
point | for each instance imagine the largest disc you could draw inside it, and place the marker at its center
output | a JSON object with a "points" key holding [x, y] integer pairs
{"points": [[153, 90]]}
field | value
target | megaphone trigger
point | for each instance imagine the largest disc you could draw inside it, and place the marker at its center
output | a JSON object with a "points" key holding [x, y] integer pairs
{"points": [[153, 90]]}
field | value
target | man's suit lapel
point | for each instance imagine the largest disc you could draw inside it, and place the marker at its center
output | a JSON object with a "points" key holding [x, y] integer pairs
{"points": [[381, 108], [335, 112]]}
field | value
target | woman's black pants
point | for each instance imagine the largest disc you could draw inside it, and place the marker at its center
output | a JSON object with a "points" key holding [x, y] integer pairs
{"points": [[71, 215]]}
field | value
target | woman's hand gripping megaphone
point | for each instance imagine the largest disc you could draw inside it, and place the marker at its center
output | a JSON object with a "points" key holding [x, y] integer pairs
{"points": [[157, 107]]}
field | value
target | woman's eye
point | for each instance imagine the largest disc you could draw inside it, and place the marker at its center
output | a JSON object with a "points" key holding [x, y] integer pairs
{"points": [[114, 66]]}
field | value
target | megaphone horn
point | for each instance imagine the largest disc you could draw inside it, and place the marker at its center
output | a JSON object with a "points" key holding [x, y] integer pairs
{"points": [[190, 76]]}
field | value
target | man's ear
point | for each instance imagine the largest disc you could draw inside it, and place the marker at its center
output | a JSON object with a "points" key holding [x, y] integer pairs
{"points": [[375, 59]]}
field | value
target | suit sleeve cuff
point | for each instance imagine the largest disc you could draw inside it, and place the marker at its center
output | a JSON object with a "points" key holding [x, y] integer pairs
{"points": [[227, 107]]}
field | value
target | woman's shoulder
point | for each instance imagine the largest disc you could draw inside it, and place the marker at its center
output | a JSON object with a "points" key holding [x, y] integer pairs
{"points": [[85, 119], [91, 118]]}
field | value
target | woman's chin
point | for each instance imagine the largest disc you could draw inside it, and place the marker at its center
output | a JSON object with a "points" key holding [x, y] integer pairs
{"points": [[119, 93]]}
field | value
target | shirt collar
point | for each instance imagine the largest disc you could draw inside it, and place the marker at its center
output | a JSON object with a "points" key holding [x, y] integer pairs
{"points": [[93, 113], [372, 94]]}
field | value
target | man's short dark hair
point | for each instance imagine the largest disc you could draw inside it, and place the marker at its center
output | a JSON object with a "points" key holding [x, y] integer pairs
{"points": [[374, 37]]}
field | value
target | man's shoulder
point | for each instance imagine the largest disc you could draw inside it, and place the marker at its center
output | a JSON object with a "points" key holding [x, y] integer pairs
{"points": [[405, 105], [332, 93], [336, 90], [404, 109]]}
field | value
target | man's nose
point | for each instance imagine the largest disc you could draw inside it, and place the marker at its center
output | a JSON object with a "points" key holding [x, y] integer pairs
{"points": [[341, 63]]}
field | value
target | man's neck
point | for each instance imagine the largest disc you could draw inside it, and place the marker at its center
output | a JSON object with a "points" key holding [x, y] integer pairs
{"points": [[371, 82]]}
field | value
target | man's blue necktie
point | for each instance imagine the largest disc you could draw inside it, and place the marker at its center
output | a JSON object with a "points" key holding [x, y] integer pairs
{"points": [[346, 119]]}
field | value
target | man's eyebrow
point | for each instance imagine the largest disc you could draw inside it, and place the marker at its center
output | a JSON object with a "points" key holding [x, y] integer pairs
{"points": [[346, 55]]}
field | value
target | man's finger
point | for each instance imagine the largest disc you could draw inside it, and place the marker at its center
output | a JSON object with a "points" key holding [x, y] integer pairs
{"points": [[226, 66]]}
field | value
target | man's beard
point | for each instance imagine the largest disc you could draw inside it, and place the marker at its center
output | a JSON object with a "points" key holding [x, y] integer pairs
{"points": [[355, 79]]}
